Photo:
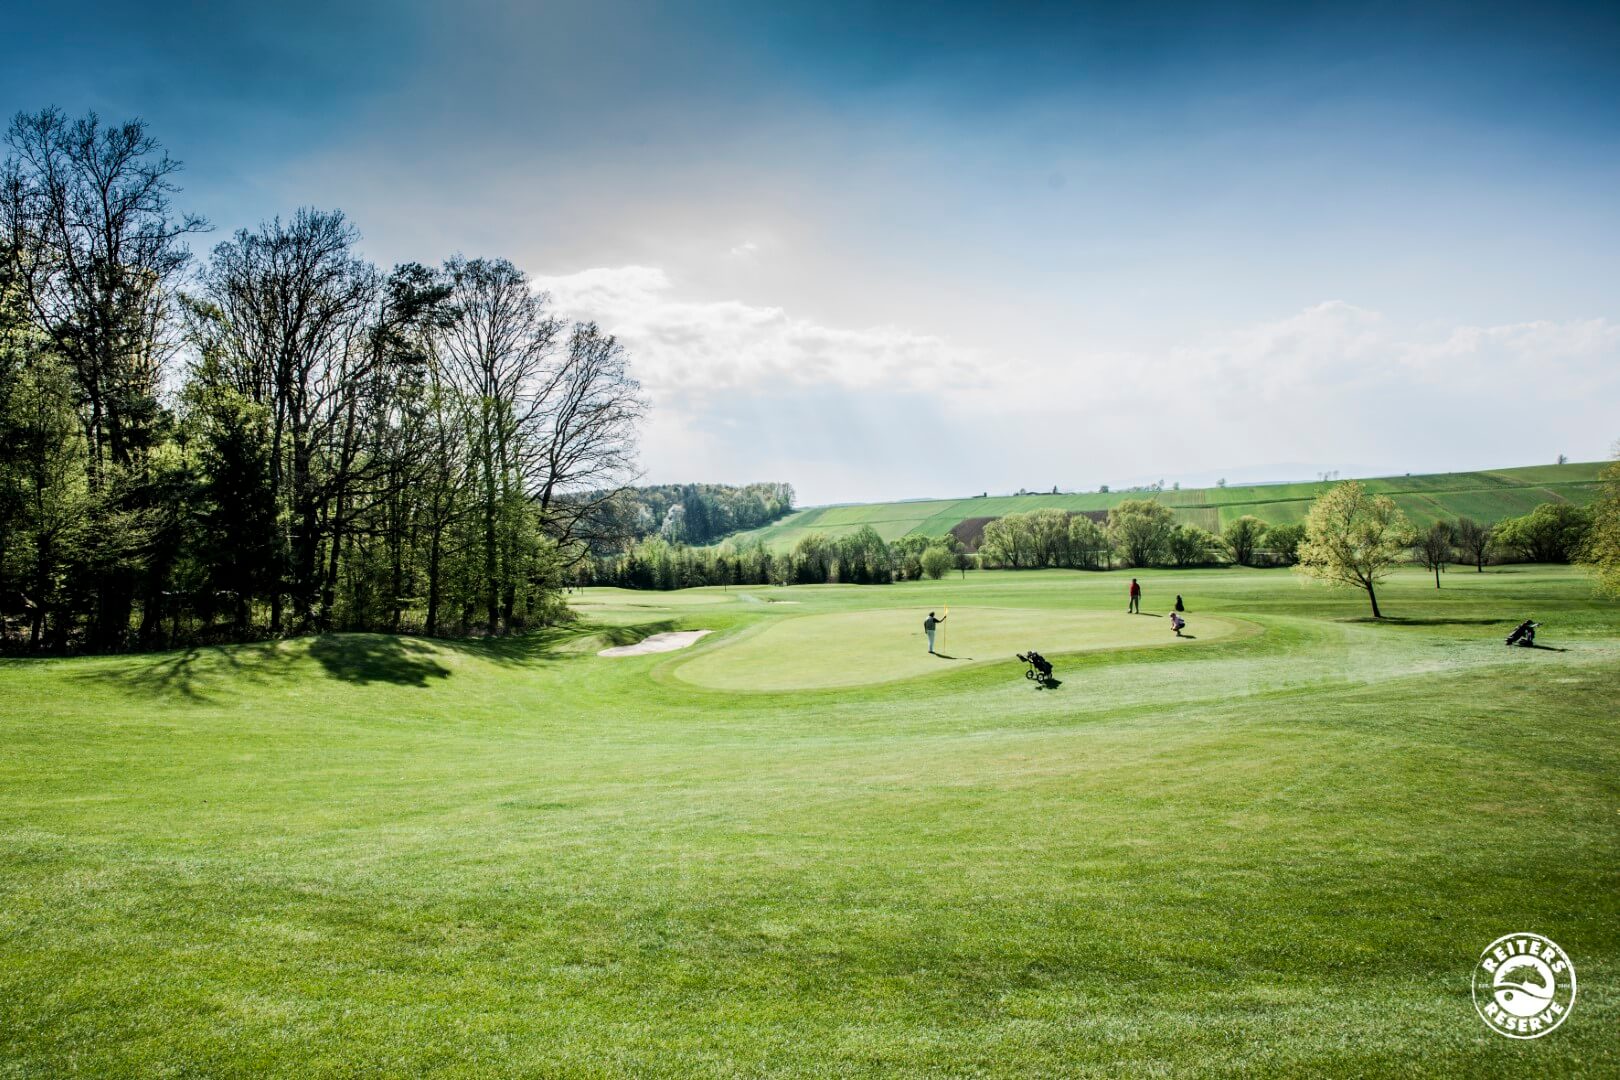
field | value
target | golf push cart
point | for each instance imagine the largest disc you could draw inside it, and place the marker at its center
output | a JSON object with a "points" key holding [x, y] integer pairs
{"points": [[1040, 669], [1524, 635]]}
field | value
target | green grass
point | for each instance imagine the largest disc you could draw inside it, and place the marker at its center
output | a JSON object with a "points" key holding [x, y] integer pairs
{"points": [[852, 648], [1274, 854], [1487, 496]]}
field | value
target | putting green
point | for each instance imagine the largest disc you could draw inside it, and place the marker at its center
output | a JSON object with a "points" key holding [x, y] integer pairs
{"points": [[859, 647]]}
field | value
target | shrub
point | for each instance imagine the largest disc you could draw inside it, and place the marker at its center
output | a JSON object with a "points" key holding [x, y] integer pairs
{"points": [[937, 562]]}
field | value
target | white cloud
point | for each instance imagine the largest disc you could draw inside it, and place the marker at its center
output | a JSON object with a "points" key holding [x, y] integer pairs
{"points": [[742, 391], [681, 347], [747, 247]]}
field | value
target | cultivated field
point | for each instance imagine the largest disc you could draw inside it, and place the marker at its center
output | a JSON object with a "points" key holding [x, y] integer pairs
{"points": [[1486, 496], [803, 847]]}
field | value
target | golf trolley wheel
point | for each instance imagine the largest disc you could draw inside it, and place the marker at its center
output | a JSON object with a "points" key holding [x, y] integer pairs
{"points": [[1031, 675]]}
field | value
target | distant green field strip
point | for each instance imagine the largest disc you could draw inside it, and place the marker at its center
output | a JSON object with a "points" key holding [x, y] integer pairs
{"points": [[1486, 495], [1205, 517]]}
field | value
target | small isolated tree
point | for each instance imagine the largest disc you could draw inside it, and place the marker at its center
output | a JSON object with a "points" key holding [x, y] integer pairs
{"points": [[1433, 548], [1192, 546], [937, 562], [1243, 538], [1283, 541], [1475, 541], [1353, 539], [1140, 530], [1602, 551], [1089, 544]]}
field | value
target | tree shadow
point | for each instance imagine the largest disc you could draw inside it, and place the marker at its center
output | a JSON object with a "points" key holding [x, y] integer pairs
{"points": [[1425, 620], [546, 643], [184, 674], [170, 676], [369, 658]]}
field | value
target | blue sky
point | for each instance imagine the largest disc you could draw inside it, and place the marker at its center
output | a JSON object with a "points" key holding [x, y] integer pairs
{"points": [[914, 249]]}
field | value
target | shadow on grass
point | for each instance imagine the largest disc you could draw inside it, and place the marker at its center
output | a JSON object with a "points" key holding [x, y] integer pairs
{"points": [[360, 659], [547, 643], [182, 674], [1424, 620], [369, 658]]}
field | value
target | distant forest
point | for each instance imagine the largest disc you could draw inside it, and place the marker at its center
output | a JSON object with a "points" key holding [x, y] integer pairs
{"points": [[691, 514]]}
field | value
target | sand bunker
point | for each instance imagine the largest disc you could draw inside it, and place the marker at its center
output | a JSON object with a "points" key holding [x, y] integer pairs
{"points": [[654, 643]]}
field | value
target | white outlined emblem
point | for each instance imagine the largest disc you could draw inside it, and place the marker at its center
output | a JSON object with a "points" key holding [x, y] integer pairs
{"points": [[1524, 986]]}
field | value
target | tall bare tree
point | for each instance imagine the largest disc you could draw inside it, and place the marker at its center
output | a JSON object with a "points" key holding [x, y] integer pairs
{"points": [[98, 249], [497, 347], [1433, 547], [587, 442], [288, 309], [1476, 541]]}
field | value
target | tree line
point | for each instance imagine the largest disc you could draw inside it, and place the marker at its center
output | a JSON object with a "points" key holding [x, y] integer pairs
{"points": [[1349, 536], [861, 557], [690, 513], [1135, 533], [1355, 539], [282, 438]]}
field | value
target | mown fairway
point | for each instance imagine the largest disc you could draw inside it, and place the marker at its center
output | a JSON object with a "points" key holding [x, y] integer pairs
{"points": [[1278, 852]]}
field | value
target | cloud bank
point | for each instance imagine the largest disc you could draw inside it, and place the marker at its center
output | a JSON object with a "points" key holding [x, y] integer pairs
{"points": [[751, 392]]}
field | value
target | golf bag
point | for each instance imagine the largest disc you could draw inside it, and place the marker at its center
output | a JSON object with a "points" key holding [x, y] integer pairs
{"points": [[1524, 634], [1040, 668]]}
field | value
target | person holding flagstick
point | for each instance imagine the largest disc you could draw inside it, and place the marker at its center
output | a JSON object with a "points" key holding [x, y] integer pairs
{"points": [[930, 625]]}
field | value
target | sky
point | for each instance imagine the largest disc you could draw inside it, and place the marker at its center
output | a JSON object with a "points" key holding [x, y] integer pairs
{"points": [[903, 250]]}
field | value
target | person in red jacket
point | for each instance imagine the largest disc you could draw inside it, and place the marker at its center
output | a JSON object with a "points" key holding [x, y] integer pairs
{"points": [[1136, 598]]}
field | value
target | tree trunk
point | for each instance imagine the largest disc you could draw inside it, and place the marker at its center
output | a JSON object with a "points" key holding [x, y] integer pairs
{"points": [[1373, 596], [1437, 575], [433, 585]]}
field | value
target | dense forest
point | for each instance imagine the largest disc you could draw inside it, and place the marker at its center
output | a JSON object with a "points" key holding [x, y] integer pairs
{"points": [[685, 513], [280, 437]]}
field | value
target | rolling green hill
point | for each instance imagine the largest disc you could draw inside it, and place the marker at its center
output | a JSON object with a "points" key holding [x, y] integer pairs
{"points": [[1487, 496]]}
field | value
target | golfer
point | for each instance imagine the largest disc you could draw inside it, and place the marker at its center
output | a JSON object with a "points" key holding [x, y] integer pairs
{"points": [[1136, 599], [1176, 623], [929, 625]]}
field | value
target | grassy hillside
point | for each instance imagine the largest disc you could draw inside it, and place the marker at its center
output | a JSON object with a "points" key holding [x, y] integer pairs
{"points": [[1276, 853], [1486, 496]]}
